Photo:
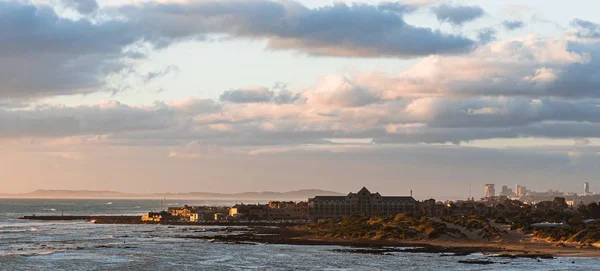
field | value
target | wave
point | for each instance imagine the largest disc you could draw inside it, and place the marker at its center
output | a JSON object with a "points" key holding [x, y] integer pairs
{"points": [[48, 210], [37, 253], [18, 230], [12, 231]]}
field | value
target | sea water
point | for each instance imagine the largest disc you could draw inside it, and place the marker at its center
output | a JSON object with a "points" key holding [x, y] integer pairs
{"points": [[79, 245]]}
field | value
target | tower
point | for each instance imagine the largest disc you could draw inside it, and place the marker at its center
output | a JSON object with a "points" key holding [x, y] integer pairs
{"points": [[586, 188], [489, 190], [520, 190]]}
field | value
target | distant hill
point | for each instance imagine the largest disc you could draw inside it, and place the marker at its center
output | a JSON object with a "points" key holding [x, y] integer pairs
{"points": [[91, 194]]}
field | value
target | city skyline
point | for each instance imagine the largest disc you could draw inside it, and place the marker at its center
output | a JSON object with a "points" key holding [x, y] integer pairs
{"points": [[435, 97]]}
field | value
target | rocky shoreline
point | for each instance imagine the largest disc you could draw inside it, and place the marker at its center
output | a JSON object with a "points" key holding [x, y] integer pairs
{"points": [[293, 234], [364, 246]]}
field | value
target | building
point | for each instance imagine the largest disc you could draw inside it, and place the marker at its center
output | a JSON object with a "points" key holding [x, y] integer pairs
{"points": [[159, 217], [363, 203], [183, 213], [250, 211], [489, 190], [219, 216], [520, 191], [586, 188], [506, 192], [288, 210], [196, 213], [275, 210]]}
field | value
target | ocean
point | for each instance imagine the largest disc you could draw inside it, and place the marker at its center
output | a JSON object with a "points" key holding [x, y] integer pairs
{"points": [[78, 245]]}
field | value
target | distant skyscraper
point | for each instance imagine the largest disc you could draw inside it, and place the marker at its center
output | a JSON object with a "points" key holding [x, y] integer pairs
{"points": [[586, 188], [520, 190], [506, 192], [489, 190]]}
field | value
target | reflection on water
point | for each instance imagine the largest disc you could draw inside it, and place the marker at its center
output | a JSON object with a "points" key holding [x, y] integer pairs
{"points": [[34, 245]]}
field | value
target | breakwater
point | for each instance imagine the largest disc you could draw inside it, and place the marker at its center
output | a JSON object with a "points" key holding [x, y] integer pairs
{"points": [[103, 219]]}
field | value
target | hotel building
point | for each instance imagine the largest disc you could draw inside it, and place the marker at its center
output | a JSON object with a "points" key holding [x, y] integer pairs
{"points": [[363, 203]]}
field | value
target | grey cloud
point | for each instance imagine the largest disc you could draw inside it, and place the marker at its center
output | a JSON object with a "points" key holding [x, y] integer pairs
{"points": [[512, 25], [543, 68], [157, 74], [43, 54], [457, 15], [414, 121], [258, 95], [337, 30], [48, 121], [587, 29], [82, 6], [397, 7], [486, 35], [582, 142]]}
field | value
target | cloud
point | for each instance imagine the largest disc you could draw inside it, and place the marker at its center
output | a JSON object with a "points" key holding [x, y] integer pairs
{"points": [[527, 66], [457, 14], [521, 87], [401, 8], [582, 142], [486, 35], [407, 121], [258, 95], [512, 25], [44, 54], [587, 29], [357, 30], [81, 6], [105, 118], [249, 95], [339, 91], [157, 74]]}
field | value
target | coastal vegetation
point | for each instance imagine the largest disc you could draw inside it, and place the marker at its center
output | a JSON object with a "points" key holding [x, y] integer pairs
{"points": [[560, 223], [557, 221], [402, 226], [475, 222]]}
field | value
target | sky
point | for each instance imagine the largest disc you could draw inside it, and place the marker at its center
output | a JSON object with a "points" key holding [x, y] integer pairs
{"points": [[277, 95]]}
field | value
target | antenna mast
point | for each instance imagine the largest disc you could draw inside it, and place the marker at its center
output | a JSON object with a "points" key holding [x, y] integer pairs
{"points": [[469, 190]]}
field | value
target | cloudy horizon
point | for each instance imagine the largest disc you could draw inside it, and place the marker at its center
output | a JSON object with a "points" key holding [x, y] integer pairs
{"points": [[277, 95]]}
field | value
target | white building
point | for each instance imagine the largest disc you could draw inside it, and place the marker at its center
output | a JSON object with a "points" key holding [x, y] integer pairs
{"points": [[520, 190], [489, 190]]}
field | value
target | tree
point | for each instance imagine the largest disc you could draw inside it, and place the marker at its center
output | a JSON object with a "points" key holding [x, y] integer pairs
{"points": [[582, 209], [559, 204], [593, 210]]}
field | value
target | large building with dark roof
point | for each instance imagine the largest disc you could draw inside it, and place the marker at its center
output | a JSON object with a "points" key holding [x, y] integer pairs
{"points": [[363, 203]]}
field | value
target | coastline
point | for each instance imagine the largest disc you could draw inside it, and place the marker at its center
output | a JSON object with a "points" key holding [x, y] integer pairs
{"points": [[277, 233], [536, 249]]}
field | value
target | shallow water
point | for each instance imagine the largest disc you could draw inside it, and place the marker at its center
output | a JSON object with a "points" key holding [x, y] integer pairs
{"points": [[35, 245]]}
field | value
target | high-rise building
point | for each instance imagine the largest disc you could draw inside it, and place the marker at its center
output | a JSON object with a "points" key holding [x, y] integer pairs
{"points": [[586, 188], [506, 192], [489, 190], [520, 190]]}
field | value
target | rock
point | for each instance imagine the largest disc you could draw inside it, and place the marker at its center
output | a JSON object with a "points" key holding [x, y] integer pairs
{"points": [[476, 262]]}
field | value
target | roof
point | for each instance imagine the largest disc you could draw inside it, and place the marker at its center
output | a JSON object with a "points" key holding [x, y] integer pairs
{"points": [[344, 197], [398, 198], [364, 189], [329, 198]]}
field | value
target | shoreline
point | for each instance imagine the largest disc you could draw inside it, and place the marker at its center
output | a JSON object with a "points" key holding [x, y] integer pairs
{"points": [[288, 236], [285, 233]]}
